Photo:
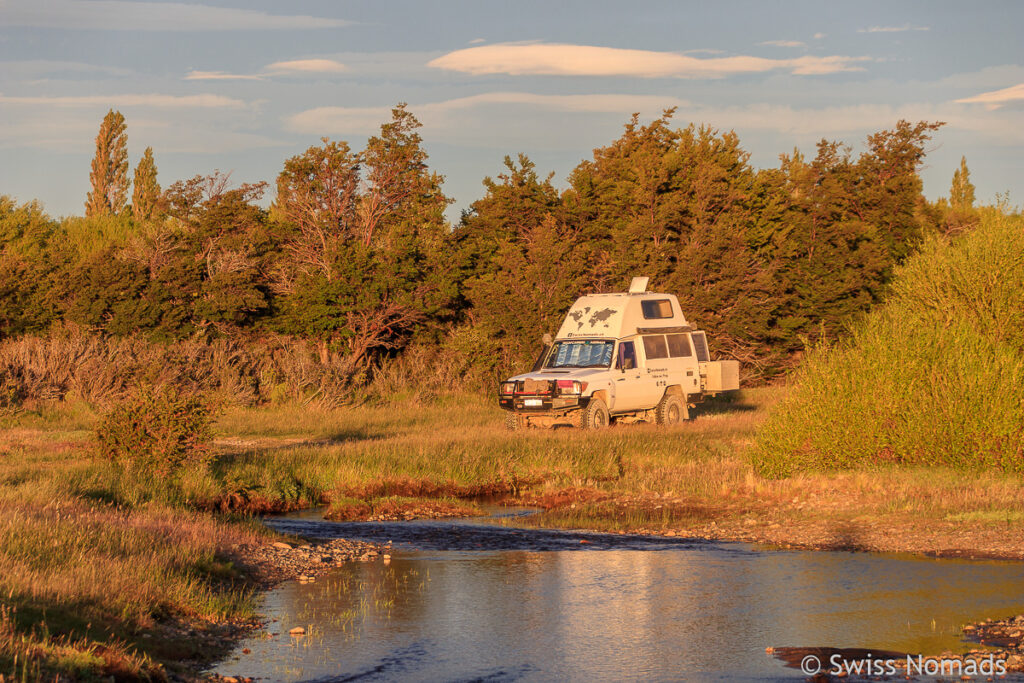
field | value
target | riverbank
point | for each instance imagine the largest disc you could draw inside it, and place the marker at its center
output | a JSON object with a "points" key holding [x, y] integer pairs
{"points": [[809, 521], [113, 572], [103, 574], [689, 480]]}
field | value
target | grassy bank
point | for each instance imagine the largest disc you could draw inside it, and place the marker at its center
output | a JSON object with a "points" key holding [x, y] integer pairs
{"points": [[112, 572], [696, 478], [98, 575]]}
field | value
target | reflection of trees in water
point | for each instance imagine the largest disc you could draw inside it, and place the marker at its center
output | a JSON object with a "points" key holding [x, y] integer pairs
{"points": [[613, 615]]}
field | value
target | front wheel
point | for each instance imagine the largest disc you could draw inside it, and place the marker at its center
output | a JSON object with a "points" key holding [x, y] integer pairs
{"points": [[672, 410], [595, 415], [513, 422]]}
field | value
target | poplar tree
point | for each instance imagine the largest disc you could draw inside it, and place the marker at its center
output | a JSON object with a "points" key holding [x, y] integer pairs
{"points": [[109, 176], [146, 193], [961, 192]]}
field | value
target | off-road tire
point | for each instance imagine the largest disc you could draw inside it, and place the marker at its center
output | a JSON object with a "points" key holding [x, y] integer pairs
{"points": [[595, 415], [672, 410], [513, 422]]}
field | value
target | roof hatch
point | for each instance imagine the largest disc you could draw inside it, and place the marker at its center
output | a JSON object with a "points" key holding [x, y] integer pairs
{"points": [[638, 285]]}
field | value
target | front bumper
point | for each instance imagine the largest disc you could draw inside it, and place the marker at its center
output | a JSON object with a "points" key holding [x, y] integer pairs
{"points": [[541, 404]]}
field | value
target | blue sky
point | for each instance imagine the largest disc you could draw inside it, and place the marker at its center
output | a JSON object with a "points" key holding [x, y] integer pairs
{"points": [[242, 86]]}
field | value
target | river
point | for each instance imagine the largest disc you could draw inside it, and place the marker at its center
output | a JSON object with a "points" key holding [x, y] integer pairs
{"points": [[468, 600]]}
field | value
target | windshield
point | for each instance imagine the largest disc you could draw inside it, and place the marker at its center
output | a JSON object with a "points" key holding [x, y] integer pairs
{"points": [[580, 354]]}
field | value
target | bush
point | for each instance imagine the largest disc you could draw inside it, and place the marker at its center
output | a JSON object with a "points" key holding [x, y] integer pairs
{"points": [[935, 377], [12, 392], [102, 370], [157, 429]]}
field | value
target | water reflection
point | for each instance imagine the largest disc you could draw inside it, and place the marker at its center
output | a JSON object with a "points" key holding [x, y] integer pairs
{"points": [[698, 612]]}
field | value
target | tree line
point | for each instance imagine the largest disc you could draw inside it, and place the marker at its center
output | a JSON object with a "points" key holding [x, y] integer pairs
{"points": [[355, 254]]}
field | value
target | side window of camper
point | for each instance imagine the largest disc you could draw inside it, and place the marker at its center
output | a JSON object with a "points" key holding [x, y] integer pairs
{"points": [[700, 345], [654, 346], [655, 309], [678, 346], [627, 356]]}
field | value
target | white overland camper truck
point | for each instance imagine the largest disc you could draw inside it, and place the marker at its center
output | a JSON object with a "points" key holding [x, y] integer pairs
{"points": [[622, 357]]}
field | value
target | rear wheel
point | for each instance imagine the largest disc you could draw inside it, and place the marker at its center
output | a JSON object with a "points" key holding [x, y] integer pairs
{"points": [[672, 410], [594, 415], [513, 422]]}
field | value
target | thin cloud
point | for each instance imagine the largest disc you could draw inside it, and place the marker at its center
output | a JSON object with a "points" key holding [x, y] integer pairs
{"points": [[784, 43], [339, 120], [477, 41], [996, 98], [306, 66], [129, 100], [587, 60], [124, 15], [47, 67], [220, 76], [292, 67], [893, 29], [174, 131], [844, 122], [459, 120]]}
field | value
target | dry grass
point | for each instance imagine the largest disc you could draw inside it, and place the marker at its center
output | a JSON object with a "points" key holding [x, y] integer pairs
{"points": [[694, 478], [93, 586], [74, 366], [71, 364]]}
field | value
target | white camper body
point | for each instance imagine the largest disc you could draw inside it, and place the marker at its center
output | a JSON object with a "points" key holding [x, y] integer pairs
{"points": [[625, 356]]}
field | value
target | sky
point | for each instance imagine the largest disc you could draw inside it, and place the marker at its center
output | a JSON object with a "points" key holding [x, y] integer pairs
{"points": [[241, 86]]}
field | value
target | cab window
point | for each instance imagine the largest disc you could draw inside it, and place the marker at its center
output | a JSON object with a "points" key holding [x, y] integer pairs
{"points": [[656, 309], [627, 356], [654, 346], [678, 345]]}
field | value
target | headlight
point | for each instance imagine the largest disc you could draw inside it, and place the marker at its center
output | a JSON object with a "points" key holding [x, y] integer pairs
{"points": [[569, 386]]}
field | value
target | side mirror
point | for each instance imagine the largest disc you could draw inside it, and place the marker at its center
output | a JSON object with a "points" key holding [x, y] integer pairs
{"points": [[546, 346]]}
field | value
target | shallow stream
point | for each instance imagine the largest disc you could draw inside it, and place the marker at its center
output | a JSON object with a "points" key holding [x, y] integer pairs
{"points": [[471, 600]]}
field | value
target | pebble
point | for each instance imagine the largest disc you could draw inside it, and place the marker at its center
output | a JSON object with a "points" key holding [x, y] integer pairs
{"points": [[280, 560]]}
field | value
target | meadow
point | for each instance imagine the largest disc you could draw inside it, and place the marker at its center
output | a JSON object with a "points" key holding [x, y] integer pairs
{"points": [[107, 570]]}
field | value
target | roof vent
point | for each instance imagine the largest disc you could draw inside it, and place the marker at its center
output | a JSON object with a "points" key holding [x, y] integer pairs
{"points": [[638, 285]]}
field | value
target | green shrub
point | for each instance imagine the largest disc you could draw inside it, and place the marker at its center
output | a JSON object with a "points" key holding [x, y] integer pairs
{"points": [[935, 377], [158, 429]]}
